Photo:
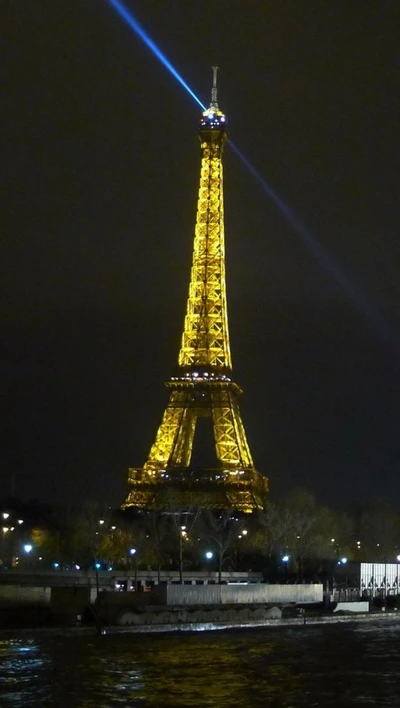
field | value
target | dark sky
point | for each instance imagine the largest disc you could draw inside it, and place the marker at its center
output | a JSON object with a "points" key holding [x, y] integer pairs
{"points": [[101, 175]]}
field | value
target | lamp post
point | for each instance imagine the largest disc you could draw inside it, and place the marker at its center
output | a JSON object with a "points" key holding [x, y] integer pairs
{"points": [[97, 566], [3, 548], [132, 553], [285, 561], [27, 548]]}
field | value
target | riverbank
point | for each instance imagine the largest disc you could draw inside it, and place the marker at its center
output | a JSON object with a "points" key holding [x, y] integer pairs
{"points": [[203, 627]]}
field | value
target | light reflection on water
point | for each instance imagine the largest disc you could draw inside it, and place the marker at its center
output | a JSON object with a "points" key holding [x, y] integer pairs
{"points": [[286, 668]]}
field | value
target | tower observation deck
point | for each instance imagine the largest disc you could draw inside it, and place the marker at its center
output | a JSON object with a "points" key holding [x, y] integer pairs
{"points": [[203, 386]]}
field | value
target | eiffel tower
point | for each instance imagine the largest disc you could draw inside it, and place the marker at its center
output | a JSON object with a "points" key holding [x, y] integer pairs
{"points": [[203, 386]]}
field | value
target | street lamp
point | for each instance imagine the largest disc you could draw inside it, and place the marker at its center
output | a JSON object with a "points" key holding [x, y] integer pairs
{"points": [[5, 514], [244, 532], [28, 547], [209, 555], [285, 559], [132, 552], [3, 549]]}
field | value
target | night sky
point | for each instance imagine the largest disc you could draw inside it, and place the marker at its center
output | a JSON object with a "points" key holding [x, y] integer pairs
{"points": [[101, 176]]}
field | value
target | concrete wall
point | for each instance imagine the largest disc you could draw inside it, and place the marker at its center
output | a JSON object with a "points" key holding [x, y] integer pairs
{"points": [[157, 596], [21, 595], [241, 594], [108, 579], [352, 607]]}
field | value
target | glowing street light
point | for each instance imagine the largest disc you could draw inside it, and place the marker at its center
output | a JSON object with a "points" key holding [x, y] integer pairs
{"points": [[101, 521], [398, 559], [244, 532], [5, 514], [132, 551], [28, 547], [209, 555], [285, 559]]}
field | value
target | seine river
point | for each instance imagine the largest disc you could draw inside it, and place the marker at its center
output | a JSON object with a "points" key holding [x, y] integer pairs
{"points": [[335, 665]]}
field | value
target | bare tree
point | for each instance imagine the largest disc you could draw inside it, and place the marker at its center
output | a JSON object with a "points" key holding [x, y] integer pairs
{"points": [[183, 518], [220, 529], [157, 527]]}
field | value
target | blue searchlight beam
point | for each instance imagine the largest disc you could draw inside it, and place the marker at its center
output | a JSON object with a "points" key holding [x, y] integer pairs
{"points": [[353, 293], [130, 20]]}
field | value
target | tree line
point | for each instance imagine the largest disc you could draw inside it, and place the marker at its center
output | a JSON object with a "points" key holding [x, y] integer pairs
{"points": [[296, 537]]}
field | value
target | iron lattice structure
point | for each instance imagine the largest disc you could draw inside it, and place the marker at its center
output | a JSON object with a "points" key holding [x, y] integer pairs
{"points": [[203, 386]]}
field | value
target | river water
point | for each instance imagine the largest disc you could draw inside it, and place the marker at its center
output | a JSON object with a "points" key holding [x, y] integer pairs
{"points": [[334, 665]]}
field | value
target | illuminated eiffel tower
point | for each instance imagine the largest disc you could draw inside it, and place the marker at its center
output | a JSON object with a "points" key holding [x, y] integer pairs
{"points": [[203, 386]]}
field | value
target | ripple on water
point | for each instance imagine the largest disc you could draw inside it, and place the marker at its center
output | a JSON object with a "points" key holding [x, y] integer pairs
{"points": [[319, 666]]}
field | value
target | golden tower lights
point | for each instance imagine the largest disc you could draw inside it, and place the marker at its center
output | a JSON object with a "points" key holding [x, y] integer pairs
{"points": [[203, 386]]}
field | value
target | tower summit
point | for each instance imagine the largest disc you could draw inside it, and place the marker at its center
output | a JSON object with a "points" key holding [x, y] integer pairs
{"points": [[203, 386]]}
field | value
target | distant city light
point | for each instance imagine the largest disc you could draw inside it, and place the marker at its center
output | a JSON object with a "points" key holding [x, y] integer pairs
{"points": [[20, 521], [56, 565], [5, 514], [343, 560], [97, 566], [77, 567], [5, 529], [113, 528], [28, 547], [209, 555], [285, 559], [398, 558], [332, 540], [101, 521], [244, 532], [132, 551]]}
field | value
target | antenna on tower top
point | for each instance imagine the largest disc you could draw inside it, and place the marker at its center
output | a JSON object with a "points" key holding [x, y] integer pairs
{"points": [[214, 90]]}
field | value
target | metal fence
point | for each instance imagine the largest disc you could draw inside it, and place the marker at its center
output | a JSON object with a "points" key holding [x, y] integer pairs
{"points": [[379, 579]]}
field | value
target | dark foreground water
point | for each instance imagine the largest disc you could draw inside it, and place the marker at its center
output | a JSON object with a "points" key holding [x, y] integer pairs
{"points": [[336, 665]]}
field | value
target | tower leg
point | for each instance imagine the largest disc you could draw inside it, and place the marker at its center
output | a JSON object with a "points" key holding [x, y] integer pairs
{"points": [[230, 438]]}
